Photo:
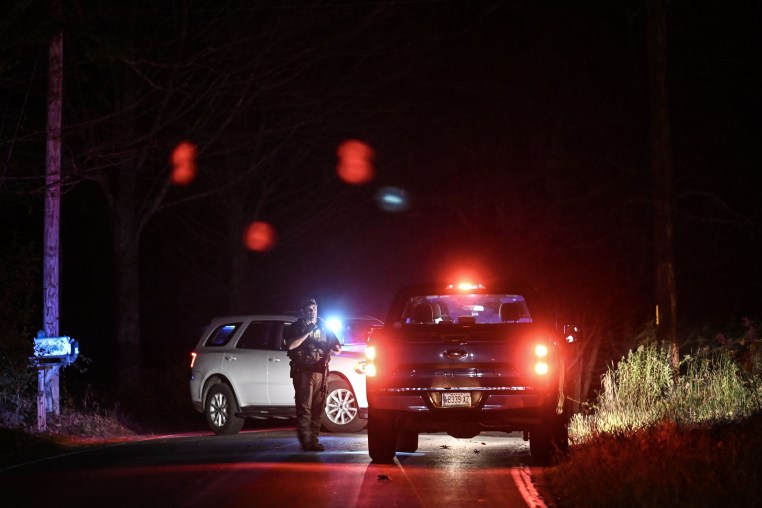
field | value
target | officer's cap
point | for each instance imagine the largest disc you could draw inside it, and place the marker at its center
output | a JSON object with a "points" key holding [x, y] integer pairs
{"points": [[306, 302]]}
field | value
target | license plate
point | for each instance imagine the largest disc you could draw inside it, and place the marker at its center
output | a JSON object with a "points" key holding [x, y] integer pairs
{"points": [[456, 399]]}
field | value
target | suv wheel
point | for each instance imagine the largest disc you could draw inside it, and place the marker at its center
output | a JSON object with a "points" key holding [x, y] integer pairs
{"points": [[341, 408], [382, 440], [220, 409]]}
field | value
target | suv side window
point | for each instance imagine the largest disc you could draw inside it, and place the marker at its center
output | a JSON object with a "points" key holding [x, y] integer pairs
{"points": [[260, 335], [222, 335]]}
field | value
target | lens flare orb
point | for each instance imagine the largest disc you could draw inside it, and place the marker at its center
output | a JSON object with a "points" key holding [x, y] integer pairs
{"points": [[392, 199], [355, 162], [183, 163], [259, 236]]}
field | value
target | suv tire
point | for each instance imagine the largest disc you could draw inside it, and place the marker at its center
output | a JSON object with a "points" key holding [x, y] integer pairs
{"points": [[382, 440], [341, 411], [220, 409]]}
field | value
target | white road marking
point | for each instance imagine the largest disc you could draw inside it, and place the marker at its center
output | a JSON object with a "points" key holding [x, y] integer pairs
{"points": [[522, 477]]}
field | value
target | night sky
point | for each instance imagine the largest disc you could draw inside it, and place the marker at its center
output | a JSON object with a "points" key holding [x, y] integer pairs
{"points": [[517, 132]]}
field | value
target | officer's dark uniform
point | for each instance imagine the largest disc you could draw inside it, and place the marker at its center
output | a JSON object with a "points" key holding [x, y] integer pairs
{"points": [[308, 369]]}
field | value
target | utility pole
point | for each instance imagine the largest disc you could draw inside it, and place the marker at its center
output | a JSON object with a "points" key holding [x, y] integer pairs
{"points": [[49, 377], [661, 178]]}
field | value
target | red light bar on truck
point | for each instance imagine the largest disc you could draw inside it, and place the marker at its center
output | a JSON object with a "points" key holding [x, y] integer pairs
{"points": [[465, 286]]}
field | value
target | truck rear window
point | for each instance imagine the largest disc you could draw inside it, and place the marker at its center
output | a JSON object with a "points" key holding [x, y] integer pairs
{"points": [[467, 308]]}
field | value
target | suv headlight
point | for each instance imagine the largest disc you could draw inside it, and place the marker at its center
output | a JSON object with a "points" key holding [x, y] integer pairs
{"points": [[370, 355]]}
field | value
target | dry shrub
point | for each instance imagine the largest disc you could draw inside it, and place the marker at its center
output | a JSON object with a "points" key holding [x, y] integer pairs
{"points": [[665, 465]]}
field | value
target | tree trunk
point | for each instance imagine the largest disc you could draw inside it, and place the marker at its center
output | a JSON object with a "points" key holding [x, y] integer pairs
{"points": [[126, 253], [661, 172], [127, 225]]}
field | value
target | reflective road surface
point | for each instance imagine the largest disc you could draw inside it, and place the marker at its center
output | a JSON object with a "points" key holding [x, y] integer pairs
{"points": [[265, 467]]}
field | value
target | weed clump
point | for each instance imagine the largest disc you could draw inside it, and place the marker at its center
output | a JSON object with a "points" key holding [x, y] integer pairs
{"points": [[656, 437]]}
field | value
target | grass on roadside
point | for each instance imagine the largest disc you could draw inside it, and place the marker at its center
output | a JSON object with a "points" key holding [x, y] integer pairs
{"points": [[665, 465], [655, 439]]}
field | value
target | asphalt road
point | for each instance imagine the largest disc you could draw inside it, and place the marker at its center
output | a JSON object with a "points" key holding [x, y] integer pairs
{"points": [[265, 468]]}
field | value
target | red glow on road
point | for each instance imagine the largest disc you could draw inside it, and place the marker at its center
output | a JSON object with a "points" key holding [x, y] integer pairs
{"points": [[321, 484], [259, 236], [183, 163], [192, 470], [355, 162]]}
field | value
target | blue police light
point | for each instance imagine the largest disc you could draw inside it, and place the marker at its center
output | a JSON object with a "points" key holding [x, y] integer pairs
{"points": [[335, 325]]}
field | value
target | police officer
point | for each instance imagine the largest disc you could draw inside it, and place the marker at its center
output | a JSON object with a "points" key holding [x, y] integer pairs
{"points": [[310, 343]]}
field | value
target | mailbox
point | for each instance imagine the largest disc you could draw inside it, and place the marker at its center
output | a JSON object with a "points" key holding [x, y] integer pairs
{"points": [[55, 351]]}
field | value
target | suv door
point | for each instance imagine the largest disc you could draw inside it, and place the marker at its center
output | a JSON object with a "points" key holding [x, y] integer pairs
{"points": [[280, 387], [259, 367], [245, 365]]}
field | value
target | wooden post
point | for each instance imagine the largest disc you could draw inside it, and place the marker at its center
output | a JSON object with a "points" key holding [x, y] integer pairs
{"points": [[51, 253], [42, 423]]}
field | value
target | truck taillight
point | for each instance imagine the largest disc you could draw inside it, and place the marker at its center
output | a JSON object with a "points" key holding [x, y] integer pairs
{"points": [[193, 359], [541, 366]]}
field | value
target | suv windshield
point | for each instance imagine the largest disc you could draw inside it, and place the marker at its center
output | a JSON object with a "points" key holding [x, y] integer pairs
{"points": [[466, 308]]}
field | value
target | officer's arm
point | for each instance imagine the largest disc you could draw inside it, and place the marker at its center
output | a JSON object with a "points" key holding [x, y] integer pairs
{"points": [[335, 344], [294, 342]]}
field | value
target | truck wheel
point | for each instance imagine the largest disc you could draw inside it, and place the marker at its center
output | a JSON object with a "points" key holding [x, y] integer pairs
{"points": [[220, 409], [560, 435], [549, 439], [341, 412], [407, 442], [382, 439]]}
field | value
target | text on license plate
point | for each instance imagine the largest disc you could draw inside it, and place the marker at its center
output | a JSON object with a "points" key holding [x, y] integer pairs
{"points": [[456, 399]]}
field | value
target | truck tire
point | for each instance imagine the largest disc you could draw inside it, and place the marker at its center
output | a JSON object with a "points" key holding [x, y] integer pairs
{"points": [[382, 438], [407, 442], [548, 440]]}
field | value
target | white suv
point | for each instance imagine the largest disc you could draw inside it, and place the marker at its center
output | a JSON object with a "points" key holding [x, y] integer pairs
{"points": [[240, 370]]}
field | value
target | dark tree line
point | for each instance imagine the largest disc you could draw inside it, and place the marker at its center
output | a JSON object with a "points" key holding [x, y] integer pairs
{"points": [[242, 81], [520, 134]]}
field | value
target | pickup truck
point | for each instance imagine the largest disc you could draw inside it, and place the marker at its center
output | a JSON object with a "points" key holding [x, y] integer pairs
{"points": [[464, 359]]}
